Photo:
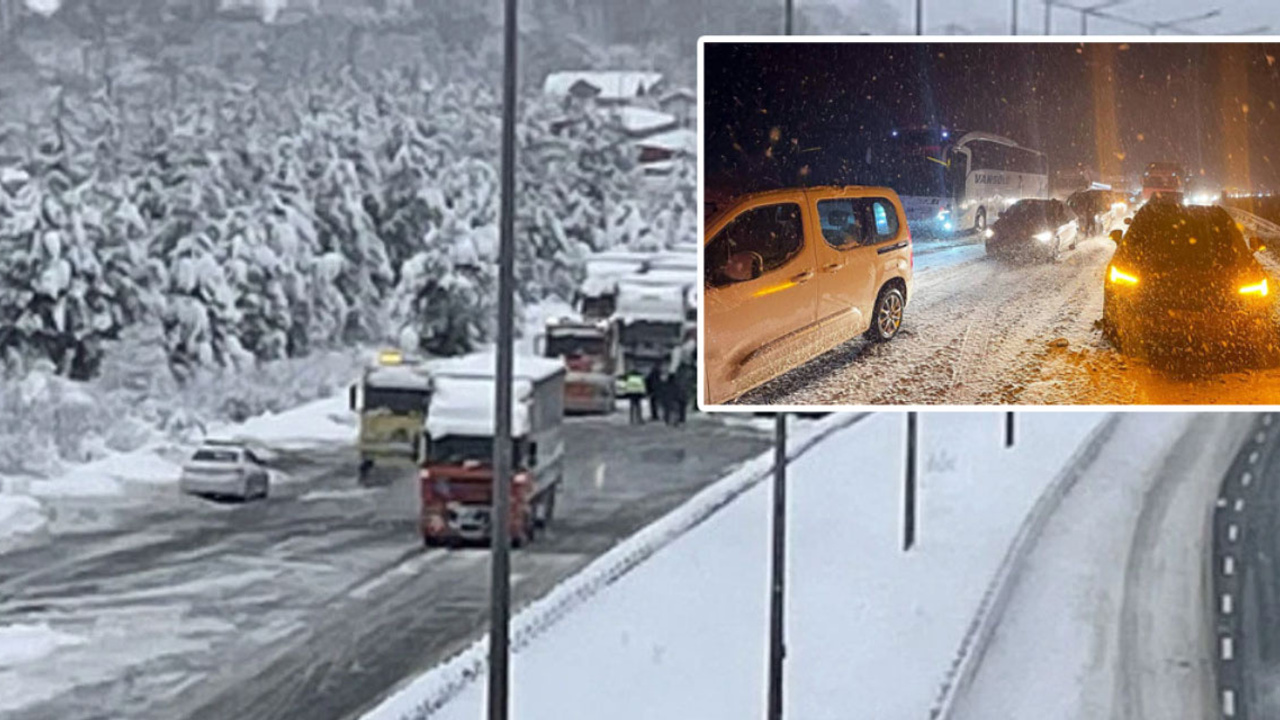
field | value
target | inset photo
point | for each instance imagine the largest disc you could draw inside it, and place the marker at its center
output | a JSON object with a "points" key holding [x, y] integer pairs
{"points": [[988, 222]]}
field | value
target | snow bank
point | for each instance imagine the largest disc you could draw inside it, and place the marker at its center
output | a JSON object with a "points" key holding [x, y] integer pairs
{"points": [[315, 424], [21, 520], [862, 615], [24, 643], [425, 696], [1105, 609]]}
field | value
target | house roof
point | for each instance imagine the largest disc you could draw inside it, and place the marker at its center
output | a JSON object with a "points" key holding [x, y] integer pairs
{"points": [[643, 121], [680, 93], [680, 140], [609, 84]]}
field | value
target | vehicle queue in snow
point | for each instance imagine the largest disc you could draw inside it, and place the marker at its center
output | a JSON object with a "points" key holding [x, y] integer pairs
{"points": [[793, 273]]}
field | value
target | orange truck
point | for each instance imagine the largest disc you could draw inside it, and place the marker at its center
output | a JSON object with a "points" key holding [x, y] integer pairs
{"points": [[456, 478]]}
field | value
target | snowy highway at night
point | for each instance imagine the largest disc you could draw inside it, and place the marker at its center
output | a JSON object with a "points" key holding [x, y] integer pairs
{"points": [[318, 601], [982, 330]]}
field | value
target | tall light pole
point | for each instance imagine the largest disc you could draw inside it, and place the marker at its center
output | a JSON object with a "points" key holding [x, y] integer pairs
{"points": [[499, 530], [787, 24], [777, 567], [1014, 21], [919, 17]]}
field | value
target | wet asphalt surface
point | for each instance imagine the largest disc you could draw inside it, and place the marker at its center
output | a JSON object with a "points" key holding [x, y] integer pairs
{"points": [[317, 602]]}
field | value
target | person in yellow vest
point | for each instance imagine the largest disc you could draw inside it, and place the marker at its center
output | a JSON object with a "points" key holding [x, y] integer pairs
{"points": [[634, 389]]}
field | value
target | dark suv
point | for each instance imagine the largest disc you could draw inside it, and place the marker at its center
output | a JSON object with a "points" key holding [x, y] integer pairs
{"points": [[1185, 279]]}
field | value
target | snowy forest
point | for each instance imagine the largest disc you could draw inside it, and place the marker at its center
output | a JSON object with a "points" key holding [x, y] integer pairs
{"points": [[203, 203]]}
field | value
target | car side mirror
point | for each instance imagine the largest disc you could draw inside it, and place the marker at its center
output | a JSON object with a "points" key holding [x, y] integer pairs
{"points": [[742, 266], [1116, 235], [1128, 221]]}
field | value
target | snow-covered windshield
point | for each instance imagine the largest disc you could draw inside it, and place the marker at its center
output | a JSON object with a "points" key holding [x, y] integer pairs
{"points": [[1029, 212], [1166, 236]]}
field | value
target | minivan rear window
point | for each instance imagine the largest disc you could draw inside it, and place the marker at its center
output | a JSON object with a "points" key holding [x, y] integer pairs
{"points": [[850, 222]]}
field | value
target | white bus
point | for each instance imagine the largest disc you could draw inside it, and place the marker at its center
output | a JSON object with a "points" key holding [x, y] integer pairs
{"points": [[954, 184]]}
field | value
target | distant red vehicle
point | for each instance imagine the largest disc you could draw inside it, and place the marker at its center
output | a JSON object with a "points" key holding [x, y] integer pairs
{"points": [[1163, 180]]}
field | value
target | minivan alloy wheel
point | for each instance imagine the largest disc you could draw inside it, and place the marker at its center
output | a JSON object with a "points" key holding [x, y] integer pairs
{"points": [[888, 315]]}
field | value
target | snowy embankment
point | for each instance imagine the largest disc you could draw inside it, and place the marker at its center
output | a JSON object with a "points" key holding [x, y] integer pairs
{"points": [[1107, 616], [150, 463], [869, 627]]}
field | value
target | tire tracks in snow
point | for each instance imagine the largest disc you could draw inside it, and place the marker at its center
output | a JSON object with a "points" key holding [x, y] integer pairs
{"points": [[976, 333]]}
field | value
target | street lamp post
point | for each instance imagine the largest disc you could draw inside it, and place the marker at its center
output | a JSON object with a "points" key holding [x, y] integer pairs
{"points": [[499, 530], [787, 24], [919, 17], [777, 573], [1013, 23]]}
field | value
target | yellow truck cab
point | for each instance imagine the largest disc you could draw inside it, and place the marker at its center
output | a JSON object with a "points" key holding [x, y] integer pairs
{"points": [[392, 397], [790, 274]]}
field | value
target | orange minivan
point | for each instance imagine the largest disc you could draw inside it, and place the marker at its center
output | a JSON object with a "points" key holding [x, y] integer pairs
{"points": [[791, 274]]}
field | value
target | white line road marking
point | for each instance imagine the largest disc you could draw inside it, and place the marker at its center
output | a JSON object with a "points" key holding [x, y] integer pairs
{"points": [[1261, 437], [1228, 648], [1253, 457], [1226, 603], [1222, 502], [1246, 479], [1266, 419], [1239, 504], [1233, 532], [1229, 703], [1228, 565]]}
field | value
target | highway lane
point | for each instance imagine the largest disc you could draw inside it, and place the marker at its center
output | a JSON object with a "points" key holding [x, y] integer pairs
{"points": [[313, 606], [1246, 611]]}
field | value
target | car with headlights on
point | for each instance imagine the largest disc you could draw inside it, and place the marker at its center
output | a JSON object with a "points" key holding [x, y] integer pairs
{"points": [[1033, 229], [1184, 280], [224, 469]]}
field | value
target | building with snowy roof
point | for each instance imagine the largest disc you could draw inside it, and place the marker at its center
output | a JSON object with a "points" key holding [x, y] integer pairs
{"points": [[616, 87]]}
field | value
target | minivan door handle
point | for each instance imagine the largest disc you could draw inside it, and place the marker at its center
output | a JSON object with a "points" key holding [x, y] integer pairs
{"points": [[803, 277], [832, 267]]}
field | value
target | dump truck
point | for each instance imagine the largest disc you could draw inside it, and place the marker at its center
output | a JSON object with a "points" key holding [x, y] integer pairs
{"points": [[391, 396], [456, 478], [592, 354]]}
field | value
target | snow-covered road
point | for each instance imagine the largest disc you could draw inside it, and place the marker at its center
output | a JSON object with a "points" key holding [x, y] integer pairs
{"points": [[317, 602], [1111, 614], [983, 331]]}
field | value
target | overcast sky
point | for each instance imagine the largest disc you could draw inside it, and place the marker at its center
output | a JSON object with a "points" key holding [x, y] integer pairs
{"points": [[985, 15]]}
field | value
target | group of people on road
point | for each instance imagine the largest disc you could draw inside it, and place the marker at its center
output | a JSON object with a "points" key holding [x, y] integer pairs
{"points": [[668, 394]]}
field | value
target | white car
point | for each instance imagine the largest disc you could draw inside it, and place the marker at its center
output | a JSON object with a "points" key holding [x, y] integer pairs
{"points": [[222, 469]]}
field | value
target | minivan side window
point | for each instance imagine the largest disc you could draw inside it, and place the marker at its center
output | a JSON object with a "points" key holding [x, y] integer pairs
{"points": [[774, 234], [850, 222], [842, 222]]}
